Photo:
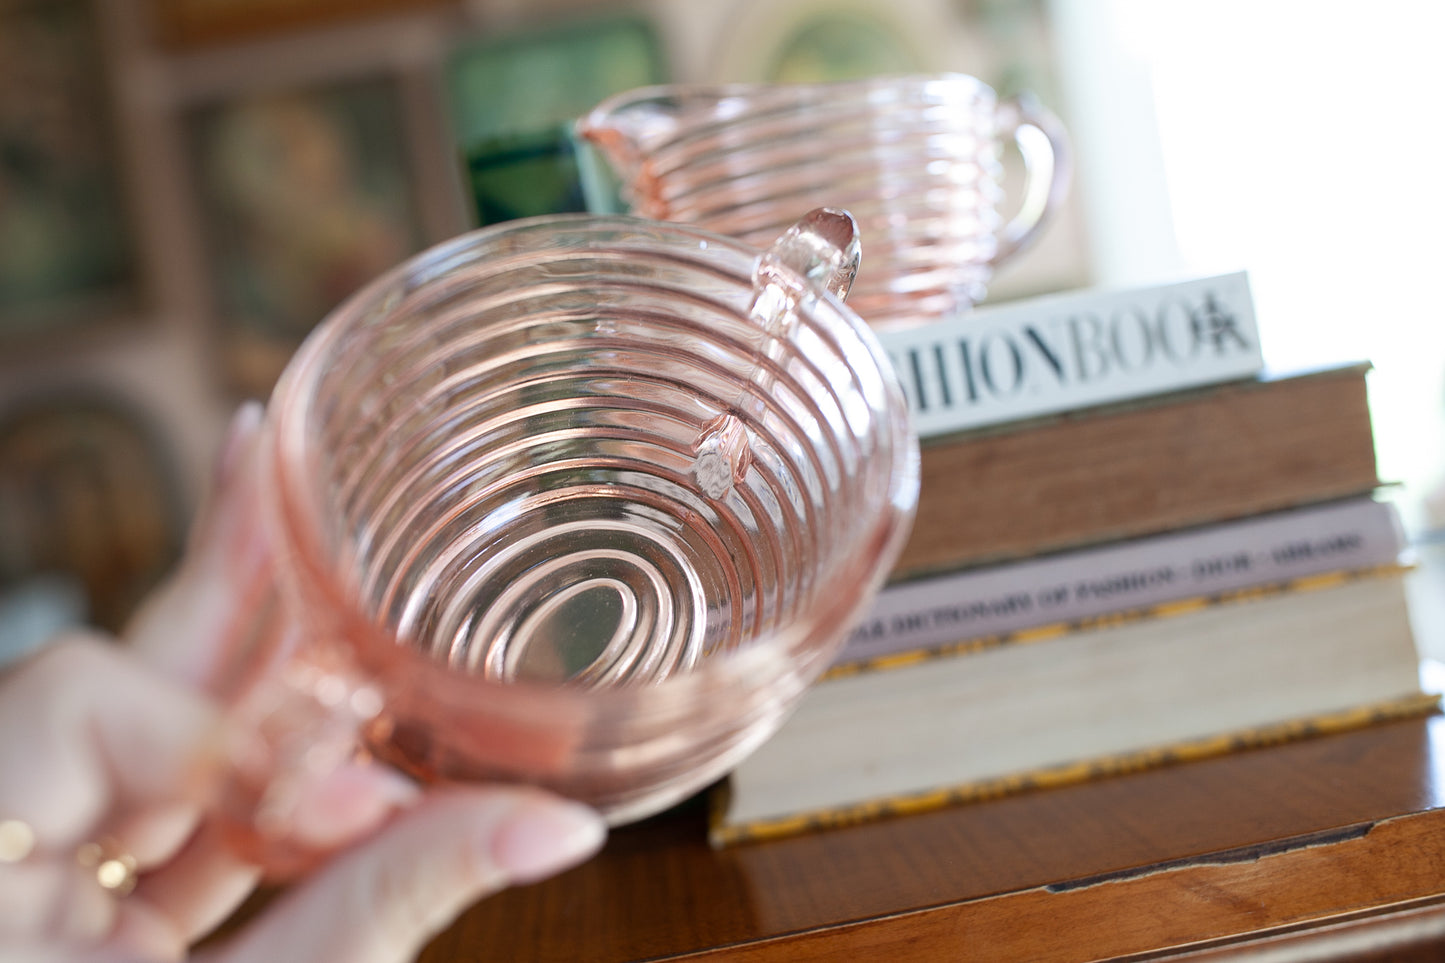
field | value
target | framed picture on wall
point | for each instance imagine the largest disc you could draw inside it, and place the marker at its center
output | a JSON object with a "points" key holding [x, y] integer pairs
{"points": [[190, 23], [514, 99], [67, 255], [303, 195]]}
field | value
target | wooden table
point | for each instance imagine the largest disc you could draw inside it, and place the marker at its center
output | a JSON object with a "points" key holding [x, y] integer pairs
{"points": [[1329, 848]]}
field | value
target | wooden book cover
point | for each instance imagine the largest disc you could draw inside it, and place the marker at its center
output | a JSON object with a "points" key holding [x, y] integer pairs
{"points": [[1140, 468]]}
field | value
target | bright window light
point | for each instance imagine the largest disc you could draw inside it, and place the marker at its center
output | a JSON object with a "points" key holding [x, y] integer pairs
{"points": [[1301, 141]]}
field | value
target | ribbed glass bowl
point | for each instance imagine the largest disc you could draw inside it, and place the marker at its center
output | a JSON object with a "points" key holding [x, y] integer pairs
{"points": [[581, 501]]}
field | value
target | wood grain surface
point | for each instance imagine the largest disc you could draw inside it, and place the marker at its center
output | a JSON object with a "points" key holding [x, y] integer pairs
{"points": [[1263, 844]]}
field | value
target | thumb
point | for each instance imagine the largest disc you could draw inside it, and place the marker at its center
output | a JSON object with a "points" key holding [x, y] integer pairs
{"points": [[383, 900], [187, 627]]}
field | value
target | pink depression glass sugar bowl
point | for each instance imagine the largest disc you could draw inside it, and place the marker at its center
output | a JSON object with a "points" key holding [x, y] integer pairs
{"points": [[584, 502], [916, 159]]}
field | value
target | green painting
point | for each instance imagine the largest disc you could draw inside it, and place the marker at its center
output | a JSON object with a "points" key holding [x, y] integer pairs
{"points": [[513, 101]]}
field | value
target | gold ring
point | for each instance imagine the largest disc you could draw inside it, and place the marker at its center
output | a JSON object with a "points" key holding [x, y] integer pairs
{"points": [[17, 840], [115, 869]]}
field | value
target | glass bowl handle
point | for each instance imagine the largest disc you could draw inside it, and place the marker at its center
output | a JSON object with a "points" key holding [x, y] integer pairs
{"points": [[300, 707], [822, 246]]}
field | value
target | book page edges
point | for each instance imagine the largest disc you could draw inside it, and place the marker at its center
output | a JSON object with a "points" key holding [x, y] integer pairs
{"points": [[722, 834], [1055, 630]]}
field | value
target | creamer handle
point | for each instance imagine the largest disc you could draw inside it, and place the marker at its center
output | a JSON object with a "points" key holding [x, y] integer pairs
{"points": [[1044, 144]]}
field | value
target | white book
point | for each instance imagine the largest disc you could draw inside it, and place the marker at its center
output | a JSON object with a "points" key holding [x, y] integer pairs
{"points": [[1329, 653], [1062, 352], [1141, 573]]}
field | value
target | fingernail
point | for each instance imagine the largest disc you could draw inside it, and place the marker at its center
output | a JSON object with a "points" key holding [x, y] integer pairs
{"points": [[546, 837], [239, 433]]}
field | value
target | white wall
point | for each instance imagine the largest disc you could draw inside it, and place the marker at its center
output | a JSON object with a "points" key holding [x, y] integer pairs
{"points": [[1299, 140]]}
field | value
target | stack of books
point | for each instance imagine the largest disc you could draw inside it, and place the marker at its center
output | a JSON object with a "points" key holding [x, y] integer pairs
{"points": [[1133, 547]]}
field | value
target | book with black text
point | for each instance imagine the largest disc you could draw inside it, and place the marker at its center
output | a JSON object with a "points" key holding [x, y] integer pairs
{"points": [[972, 606], [1061, 352]]}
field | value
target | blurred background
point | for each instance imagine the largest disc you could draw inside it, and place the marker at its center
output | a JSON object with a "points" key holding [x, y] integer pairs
{"points": [[187, 186]]}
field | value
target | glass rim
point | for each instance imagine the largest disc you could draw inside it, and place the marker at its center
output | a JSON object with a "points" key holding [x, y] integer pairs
{"points": [[617, 103], [297, 514]]}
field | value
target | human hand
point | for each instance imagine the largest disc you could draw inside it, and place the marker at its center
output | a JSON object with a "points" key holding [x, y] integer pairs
{"points": [[111, 752]]}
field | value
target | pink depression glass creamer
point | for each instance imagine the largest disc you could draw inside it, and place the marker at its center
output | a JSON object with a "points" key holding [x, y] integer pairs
{"points": [[916, 159], [585, 502]]}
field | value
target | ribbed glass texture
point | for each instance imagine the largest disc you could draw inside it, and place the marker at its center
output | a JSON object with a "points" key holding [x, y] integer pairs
{"points": [[588, 501], [915, 159]]}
